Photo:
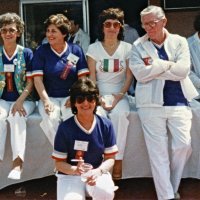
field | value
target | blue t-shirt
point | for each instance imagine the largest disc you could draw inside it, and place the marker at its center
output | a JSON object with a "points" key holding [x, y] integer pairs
{"points": [[50, 65], [28, 55], [101, 140], [172, 93]]}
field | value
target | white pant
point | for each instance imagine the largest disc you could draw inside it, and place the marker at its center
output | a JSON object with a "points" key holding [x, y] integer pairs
{"points": [[51, 122], [17, 128], [167, 168], [119, 117], [72, 188]]}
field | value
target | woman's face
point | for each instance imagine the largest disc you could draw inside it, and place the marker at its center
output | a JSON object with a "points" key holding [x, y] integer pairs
{"points": [[9, 34], [111, 28], [54, 35], [85, 104]]}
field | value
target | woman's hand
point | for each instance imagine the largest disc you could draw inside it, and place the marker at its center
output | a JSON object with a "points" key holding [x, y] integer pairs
{"points": [[67, 103], [117, 98], [18, 107], [95, 173], [48, 106]]}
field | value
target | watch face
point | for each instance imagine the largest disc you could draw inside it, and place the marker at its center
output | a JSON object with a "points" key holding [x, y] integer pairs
{"points": [[103, 171]]}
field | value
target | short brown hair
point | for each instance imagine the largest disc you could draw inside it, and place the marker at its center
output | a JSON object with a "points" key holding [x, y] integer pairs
{"points": [[83, 86], [12, 18], [110, 13], [60, 21]]}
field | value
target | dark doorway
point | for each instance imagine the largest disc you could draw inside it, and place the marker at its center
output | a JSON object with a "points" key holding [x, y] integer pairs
{"points": [[131, 9]]}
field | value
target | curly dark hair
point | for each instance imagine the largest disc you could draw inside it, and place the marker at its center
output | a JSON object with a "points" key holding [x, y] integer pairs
{"points": [[12, 18], [197, 23], [110, 13], [83, 86], [60, 21]]}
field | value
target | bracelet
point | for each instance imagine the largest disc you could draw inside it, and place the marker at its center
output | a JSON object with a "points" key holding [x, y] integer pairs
{"points": [[26, 90], [103, 171], [121, 93]]}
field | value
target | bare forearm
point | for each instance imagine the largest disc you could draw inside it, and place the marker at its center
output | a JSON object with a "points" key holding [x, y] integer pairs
{"points": [[27, 90], [41, 89], [66, 168]]}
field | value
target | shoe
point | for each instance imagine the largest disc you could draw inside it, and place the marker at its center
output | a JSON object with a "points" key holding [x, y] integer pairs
{"points": [[177, 196], [117, 170], [15, 174]]}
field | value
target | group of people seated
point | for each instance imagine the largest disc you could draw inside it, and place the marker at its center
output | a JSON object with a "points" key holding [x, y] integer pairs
{"points": [[84, 104]]}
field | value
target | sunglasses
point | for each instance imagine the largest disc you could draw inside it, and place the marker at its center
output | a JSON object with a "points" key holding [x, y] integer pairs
{"points": [[89, 97], [116, 25], [9, 30]]}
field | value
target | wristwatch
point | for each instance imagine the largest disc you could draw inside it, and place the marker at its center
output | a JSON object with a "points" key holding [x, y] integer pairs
{"points": [[102, 170]]}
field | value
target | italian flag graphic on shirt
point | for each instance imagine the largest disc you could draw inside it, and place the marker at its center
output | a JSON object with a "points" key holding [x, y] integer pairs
{"points": [[111, 65]]}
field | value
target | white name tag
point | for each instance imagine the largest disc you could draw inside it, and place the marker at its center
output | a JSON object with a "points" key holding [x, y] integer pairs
{"points": [[73, 58], [9, 68], [81, 145]]}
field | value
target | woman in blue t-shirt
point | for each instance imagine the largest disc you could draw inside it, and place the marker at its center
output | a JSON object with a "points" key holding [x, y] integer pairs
{"points": [[56, 66], [85, 138], [16, 85]]}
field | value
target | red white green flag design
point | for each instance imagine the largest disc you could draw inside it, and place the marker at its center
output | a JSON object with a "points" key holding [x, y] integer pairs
{"points": [[111, 65]]}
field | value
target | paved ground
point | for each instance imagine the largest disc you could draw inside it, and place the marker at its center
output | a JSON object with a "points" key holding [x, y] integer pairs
{"points": [[129, 189]]}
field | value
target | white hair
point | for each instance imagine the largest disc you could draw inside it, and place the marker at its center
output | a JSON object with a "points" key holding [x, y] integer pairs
{"points": [[156, 10]]}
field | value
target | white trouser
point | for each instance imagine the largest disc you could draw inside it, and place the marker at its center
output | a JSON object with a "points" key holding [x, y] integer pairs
{"points": [[72, 188], [119, 117], [51, 122], [167, 168], [17, 128]]}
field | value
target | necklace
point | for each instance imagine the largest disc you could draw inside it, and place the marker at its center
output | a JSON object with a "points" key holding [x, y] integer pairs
{"points": [[110, 46]]}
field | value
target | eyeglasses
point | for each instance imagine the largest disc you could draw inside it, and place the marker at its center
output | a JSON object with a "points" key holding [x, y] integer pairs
{"points": [[116, 25], [9, 30], [151, 24], [81, 98]]}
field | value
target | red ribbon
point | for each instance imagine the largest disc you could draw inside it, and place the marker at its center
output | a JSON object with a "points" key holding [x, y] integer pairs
{"points": [[9, 81], [66, 71]]}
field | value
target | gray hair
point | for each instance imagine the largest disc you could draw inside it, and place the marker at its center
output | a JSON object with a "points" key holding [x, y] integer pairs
{"points": [[156, 10]]}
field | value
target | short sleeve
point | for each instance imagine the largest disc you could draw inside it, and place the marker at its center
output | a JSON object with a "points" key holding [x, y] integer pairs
{"points": [[28, 56], [109, 138], [60, 144], [92, 49], [81, 65], [38, 62], [127, 49]]}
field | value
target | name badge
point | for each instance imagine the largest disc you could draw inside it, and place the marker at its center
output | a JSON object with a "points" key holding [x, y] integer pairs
{"points": [[72, 58], [9, 68], [81, 145]]}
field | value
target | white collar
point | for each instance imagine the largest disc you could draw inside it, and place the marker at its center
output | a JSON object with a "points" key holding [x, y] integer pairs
{"points": [[82, 128], [60, 54], [10, 58]]}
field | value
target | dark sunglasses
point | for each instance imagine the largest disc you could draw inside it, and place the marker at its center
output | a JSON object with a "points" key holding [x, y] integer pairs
{"points": [[89, 97], [110, 24]]}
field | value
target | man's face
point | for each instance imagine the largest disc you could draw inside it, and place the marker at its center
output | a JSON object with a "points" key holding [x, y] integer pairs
{"points": [[73, 28], [153, 26]]}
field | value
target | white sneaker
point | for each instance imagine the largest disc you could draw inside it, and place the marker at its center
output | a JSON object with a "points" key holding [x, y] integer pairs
{"points": [[15, 174]]}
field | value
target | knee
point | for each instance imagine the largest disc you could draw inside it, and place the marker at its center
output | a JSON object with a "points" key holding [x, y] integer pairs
{"points": [[72, 196], [15, 116], [105, 194], [184, 147]]}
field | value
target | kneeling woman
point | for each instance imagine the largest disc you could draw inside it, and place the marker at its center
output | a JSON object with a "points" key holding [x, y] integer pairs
{"points": [[85, 138]]}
